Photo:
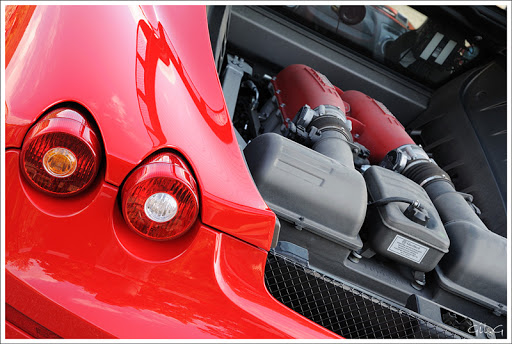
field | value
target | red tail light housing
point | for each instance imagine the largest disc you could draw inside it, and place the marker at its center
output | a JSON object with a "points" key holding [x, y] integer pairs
{"points": [[61, 154], [160, 198]]}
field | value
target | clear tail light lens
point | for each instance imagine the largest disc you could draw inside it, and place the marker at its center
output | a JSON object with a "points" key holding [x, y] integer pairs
{"points": [[61, 154], [160, 198]]}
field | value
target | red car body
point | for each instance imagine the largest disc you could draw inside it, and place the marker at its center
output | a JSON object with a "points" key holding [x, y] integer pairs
{"points": [[73, 267]]}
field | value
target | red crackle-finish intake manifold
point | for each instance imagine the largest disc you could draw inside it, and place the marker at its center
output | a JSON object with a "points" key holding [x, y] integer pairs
{"points": [[373, 125]]}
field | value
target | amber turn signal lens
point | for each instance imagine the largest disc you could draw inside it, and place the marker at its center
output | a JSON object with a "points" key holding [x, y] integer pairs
{"points": [[61, 153], [160, 199], [59, 162]]}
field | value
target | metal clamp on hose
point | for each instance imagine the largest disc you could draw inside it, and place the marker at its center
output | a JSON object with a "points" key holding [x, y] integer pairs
{"points": [[403, 157], [325, 129]]}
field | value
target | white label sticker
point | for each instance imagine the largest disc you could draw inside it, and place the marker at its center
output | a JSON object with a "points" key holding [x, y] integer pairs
{"points": [[408, 249]]}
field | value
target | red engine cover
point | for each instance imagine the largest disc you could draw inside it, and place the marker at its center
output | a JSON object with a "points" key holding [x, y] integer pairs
{"points": [[298, 85], [374, 126]]}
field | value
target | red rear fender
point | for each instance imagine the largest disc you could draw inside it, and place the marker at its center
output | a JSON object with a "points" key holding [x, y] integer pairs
{"points": [[149, 81]]}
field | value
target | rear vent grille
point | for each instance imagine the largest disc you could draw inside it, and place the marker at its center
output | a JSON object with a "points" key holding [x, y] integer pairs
{"points": [[342, 309]]}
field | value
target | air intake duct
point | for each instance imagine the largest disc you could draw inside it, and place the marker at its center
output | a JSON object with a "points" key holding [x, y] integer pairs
{"points": [[475, 267]]}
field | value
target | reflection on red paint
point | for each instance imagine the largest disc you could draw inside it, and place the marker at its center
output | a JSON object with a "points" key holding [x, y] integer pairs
{"points": [[148, 88], [208, 284], [16, 20], [154, 46], [149, 52]]}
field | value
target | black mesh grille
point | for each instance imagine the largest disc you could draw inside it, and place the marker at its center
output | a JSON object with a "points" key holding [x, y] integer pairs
{"points": [[343, 309]]}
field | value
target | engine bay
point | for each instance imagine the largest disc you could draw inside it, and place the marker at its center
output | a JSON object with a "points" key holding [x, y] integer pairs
{"points": [[360, 200]]}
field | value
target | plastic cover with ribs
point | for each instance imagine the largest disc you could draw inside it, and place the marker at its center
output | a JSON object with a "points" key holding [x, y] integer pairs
{"points": [[308, 189]]}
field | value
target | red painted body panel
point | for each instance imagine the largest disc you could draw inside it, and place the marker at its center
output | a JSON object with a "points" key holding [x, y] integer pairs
{"points": [[375, 127], [12, 332], [26, 326], [79, 271], [144, 92], [16, 20]]}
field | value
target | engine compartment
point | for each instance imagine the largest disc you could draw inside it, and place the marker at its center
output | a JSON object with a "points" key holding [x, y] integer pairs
{"points": [[361, 201]]}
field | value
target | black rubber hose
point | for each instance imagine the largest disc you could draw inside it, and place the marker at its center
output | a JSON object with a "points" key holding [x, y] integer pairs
{"points": [[451, 205], [423, 173], [384, 201]]}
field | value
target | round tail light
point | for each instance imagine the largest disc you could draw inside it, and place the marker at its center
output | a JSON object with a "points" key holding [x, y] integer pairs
{"points": [[160, 199], [61, 153]]}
